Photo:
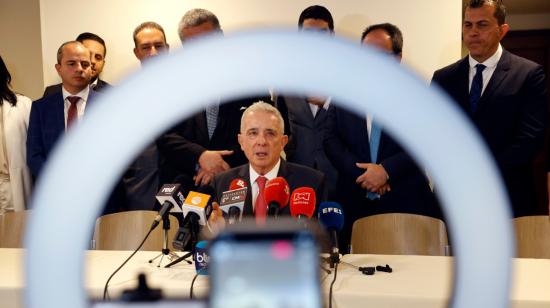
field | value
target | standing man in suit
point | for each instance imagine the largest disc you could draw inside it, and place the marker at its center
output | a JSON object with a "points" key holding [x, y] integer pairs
{"points": [[262, 139], [307, 114], [141, 180], [375, 174], [51, 116], [204, 144], [503, 95], [98, 51]]}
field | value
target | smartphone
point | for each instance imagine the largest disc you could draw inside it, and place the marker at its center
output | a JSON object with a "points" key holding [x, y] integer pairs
{"points": [[267, 268]]}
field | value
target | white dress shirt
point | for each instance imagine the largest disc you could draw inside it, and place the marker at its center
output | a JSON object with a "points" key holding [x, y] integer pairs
{"points": [[491, 65], [314, 108], [254, 175], [80, 106]]}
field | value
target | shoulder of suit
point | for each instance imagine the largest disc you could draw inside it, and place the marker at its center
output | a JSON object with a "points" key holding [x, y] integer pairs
{"points": [[451, 67], [517, 60], [303, 170]]}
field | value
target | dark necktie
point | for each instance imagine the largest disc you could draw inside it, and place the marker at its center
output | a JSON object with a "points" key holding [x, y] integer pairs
{"points": [[477, 87], [72, 115], [260, 207]]}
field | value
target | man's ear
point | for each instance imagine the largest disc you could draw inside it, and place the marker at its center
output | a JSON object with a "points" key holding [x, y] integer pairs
{"points": [[57, 67], [285, 141], [504, 28], [240, 139]]}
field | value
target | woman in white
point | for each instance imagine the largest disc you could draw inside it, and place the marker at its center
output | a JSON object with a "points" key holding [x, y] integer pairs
{"points": [[15, 178]]}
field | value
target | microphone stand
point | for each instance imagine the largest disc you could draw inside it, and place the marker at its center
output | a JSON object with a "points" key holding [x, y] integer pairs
{"points": [[165, 249], [194, 239]]}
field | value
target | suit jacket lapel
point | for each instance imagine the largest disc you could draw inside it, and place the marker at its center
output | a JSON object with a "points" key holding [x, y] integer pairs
{"points": [[500, 73], [59, 111], [463, 84], [244, 173]]}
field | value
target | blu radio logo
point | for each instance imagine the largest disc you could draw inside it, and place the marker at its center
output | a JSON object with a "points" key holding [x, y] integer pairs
{"points": [[201, 258]]}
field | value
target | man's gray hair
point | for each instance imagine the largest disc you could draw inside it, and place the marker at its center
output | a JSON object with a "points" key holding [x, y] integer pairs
{"points": [[263, 107], [197, 17]]}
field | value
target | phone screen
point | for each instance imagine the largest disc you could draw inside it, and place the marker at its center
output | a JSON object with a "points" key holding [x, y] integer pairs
{"points": [[274, 270]]}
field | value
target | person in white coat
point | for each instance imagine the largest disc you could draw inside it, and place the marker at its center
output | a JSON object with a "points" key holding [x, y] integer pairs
{"points": [[15, 177]]}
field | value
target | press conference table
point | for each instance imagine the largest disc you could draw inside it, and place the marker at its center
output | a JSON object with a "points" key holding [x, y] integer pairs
{"points": [[416, 281]]}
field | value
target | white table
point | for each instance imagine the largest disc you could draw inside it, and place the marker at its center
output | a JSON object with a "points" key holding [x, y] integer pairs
{"points": [[416, 281]]}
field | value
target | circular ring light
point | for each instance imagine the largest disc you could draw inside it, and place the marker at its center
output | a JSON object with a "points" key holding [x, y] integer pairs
{"points": [[176, 85]]}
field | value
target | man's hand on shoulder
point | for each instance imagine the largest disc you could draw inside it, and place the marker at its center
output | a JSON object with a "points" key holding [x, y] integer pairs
{"points": [[212, 161]]}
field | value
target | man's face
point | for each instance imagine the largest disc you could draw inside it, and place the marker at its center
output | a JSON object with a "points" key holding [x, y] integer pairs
{"points": [[150, 42], [315, 24], [380, 39], [75, 67], [262, 140], [97, 52], [481, 32], [204, 28]]}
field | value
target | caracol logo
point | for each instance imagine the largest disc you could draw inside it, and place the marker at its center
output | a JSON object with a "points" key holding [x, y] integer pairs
{"points": [[301, 197], [196, 200], [169, 189], [332, 210]]}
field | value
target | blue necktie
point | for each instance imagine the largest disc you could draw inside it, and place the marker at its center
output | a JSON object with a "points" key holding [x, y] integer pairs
{"points": [[212, 118], [374, 142], [477, 87]]}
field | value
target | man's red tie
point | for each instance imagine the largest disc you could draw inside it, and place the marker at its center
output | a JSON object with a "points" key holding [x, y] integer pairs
{"points": [[72, 115], [260, 207]]}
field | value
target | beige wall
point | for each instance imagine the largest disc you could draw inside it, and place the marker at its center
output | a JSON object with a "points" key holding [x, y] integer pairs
{"points": [[431, 40], [21, 47]]}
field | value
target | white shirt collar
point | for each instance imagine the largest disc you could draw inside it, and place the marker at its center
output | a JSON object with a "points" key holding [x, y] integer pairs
{"points": [[491, 62], [270, 175], [94, 84], [82, 94]]}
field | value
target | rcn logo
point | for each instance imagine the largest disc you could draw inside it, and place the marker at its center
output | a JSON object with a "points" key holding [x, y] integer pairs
{"points": [[332, 210], [301, 196], [168, 189]]}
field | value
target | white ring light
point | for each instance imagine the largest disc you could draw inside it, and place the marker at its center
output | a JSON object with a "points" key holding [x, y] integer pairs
{"points": [[423, 120]]}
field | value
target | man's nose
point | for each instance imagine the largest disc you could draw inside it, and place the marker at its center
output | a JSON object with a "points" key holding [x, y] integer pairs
{"points": [[154, 51]]}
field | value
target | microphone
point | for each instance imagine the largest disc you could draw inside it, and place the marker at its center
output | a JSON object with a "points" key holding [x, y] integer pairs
{"points": [[276, 194], [237, 184], [302, 202], [331, 217], [171, 198], [201, 258], [232, 201], [197, 207]]}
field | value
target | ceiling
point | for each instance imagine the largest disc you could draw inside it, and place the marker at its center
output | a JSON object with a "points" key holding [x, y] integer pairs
{"points": [[525, 6]]}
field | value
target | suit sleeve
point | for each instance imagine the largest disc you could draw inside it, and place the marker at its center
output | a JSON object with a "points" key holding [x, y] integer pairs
{"points": [[337, 152], [178, 150], [398, 165], [36, 154], [529, 136]]}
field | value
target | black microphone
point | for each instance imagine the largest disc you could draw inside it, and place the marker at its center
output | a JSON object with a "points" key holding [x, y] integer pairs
{"points": [[331, 217], [171, 198]]}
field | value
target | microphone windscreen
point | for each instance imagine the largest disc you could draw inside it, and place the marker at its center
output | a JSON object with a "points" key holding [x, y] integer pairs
{"points": [[277, 190], [302, 202], [331, 215], [237, 184]]}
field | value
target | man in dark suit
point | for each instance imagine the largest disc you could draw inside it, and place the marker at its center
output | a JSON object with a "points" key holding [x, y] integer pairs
{"points": [[307, 114], [504, 96], [204, 144], [98, 51], [141, 180], [52, 115], [262, 139], [375, 174]]}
